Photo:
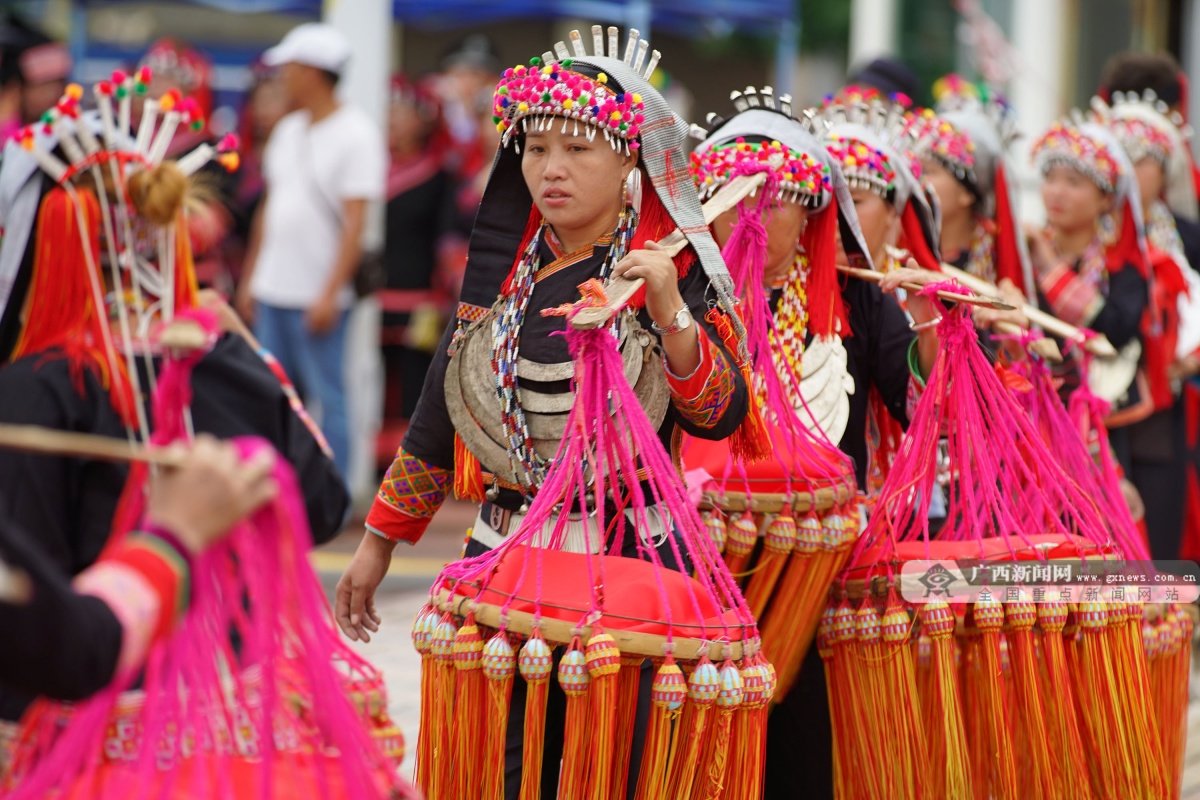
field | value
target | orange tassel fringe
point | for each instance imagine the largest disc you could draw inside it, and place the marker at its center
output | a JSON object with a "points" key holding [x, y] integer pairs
{"points": [[499, 664], [535, 663], [667, 696], [574, 679]]}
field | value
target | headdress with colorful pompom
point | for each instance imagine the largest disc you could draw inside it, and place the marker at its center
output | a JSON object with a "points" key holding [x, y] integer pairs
{"points": [[549, 89], [802, 178], [950, 147], [978, 115], [1146, 127], [1066, 144], [872, 140], [874, 143], [111, 226]]}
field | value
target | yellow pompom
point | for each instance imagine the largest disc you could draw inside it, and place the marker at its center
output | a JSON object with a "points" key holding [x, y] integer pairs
{"points": [[74, 91], [523, 107], [568, 103], [601, 78], [637, 98]]}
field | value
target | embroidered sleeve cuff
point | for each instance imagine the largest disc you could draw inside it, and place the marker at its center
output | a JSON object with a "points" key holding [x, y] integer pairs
{"points": [[146, 584], [411, 493], [703, 396], [1073, 299]]}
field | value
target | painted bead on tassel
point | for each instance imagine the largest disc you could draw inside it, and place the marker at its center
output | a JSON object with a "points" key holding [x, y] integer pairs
{"points": [[714, 525], [810, 534], [743, 535], [781, 534]]}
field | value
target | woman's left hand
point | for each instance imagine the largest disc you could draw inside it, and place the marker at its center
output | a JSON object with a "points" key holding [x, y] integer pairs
{"points": [[920, 308], [657, 269]]}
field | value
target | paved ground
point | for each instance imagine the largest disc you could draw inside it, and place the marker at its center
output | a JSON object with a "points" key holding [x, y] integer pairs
{"points": [[398, 600], [407, 586]]}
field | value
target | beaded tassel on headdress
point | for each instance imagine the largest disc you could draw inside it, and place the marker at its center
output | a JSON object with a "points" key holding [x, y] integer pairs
{"points": [[129, 163]]}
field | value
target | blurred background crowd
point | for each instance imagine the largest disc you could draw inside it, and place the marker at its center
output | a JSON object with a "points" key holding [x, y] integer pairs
{"points": [[435, 112]]}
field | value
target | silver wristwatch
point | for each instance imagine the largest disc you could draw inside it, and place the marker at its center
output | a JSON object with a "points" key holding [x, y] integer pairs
{"points": [[682, 321]]}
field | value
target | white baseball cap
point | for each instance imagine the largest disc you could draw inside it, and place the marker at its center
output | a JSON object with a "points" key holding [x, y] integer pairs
{"points": [[313, 44]]}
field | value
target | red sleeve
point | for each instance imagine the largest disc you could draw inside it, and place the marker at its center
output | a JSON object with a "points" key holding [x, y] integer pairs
{"points": [[411, 493], [146, 584], [703, 396]]}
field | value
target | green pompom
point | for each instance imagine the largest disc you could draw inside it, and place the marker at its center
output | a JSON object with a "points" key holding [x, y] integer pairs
{"points": [[567, 62], [536, 61]]}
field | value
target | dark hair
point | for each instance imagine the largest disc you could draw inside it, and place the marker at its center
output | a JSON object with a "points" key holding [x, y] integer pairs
{"points": [[1137, 72], [888, 75], [330, 76]]}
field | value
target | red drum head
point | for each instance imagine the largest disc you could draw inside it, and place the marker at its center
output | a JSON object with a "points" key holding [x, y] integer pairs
{"points": [[561, 580], [798, 465]]}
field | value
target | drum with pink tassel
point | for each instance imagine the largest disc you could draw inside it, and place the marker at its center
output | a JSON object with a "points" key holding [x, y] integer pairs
{"points": [[785, 518], [536, 611], [287, 712], [955, 661]]}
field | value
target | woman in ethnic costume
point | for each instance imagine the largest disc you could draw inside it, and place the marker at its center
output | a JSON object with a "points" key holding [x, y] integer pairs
{"points": [[1090, 261], [589, 175], [64, 362], [1152, 137], [963, 150], [874, 143], [884, 357]]}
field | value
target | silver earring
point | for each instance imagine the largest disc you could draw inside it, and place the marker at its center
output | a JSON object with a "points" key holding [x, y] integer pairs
{"points": [[632, 189]]}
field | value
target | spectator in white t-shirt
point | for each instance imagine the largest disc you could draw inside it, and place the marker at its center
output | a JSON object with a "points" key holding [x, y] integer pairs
{"points": [[322, 165]]}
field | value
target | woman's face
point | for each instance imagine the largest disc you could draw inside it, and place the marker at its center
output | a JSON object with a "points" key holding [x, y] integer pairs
{"points": [[956, 200], [784, 223], [878, 220], [1073, 201], [576, 184], [406, 128], [1152, 180]]}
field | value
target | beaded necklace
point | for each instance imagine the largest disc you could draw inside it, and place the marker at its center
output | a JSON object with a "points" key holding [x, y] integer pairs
{"points": [[983, 251], [791, 324], [529, 467], [1161, 230]]}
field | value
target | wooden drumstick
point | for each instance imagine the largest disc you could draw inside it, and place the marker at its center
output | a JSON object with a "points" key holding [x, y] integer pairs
{"points": [[619, 290], [1045, 348], [35, 439], [1097, 345]]}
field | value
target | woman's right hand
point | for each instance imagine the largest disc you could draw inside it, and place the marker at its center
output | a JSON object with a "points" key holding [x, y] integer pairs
{"points": [[355, 607]]}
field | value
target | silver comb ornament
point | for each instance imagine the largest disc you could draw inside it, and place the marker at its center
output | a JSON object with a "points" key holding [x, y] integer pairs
{"points": [[643, 46], [768, 97], [631, 46], [597, 40], [654, 57], [785, 104], [698, 132], [613, 42], [751, 95], [577, 45], [739, 101], [561, 51]]}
